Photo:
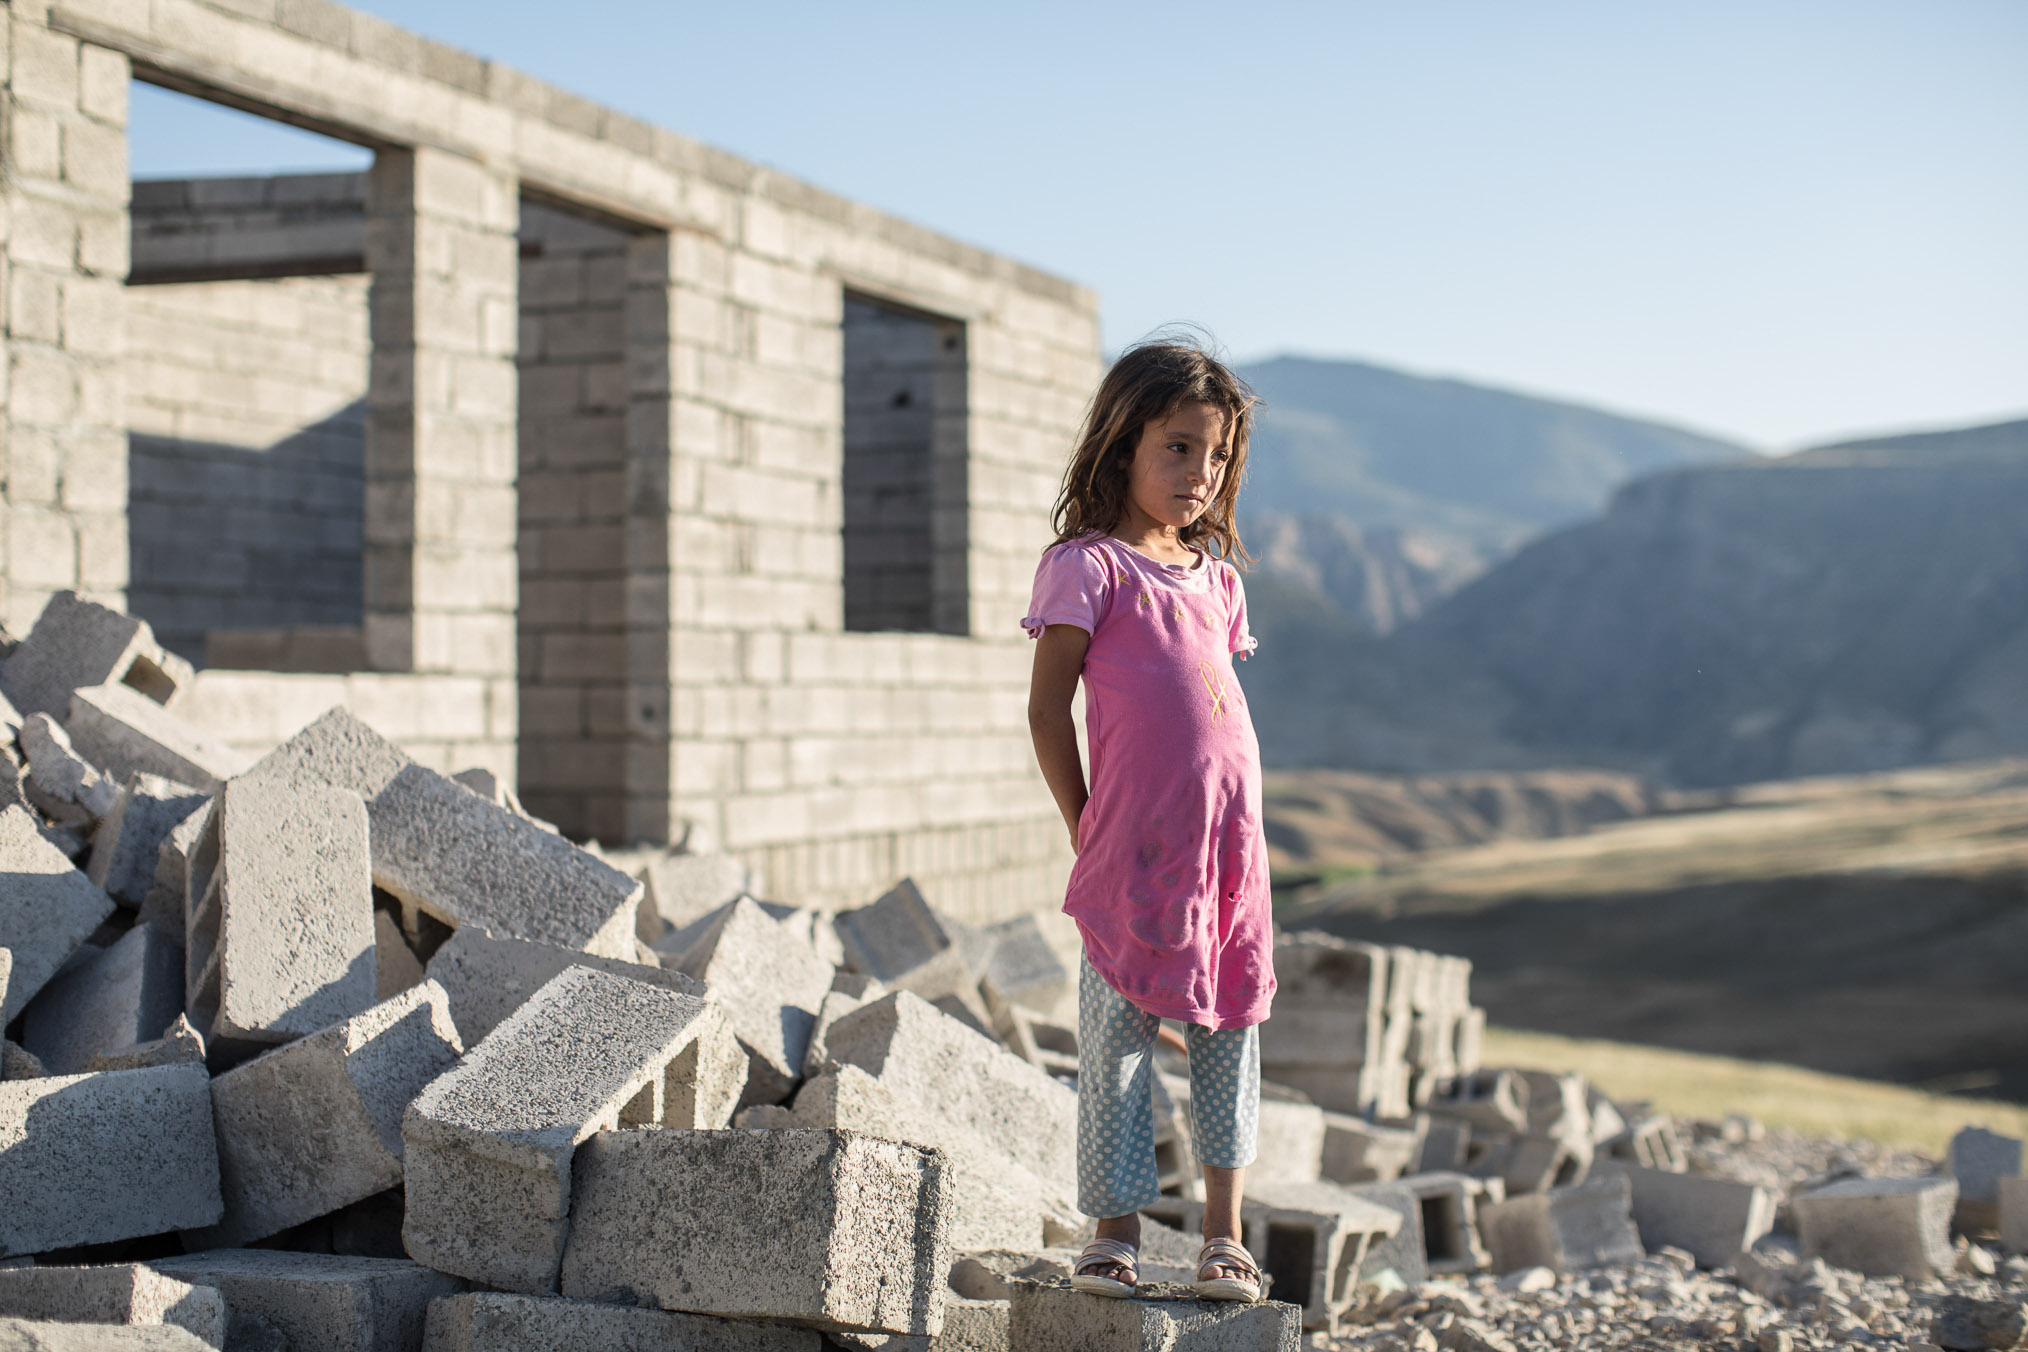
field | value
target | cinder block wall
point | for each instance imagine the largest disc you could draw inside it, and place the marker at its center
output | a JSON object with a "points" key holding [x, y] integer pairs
{"points": [[246, 417], [832, 759]]}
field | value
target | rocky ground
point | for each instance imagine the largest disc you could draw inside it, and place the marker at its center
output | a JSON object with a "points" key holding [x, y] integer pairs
{"points": [[1774, 1301]]}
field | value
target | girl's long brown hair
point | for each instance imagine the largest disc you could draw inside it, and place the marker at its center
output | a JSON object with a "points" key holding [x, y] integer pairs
{"points": [[1150, 381]]}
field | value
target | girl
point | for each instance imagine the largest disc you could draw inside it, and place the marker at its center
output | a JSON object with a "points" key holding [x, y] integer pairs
{"points": [[1170, 888]]}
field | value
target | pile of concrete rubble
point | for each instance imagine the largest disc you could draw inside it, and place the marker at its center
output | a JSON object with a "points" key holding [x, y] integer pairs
{"points": [[329, 1050]]}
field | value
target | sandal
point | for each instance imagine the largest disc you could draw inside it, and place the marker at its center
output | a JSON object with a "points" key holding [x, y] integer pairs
{"points": [[1105, 1253], [1227, 1253]]}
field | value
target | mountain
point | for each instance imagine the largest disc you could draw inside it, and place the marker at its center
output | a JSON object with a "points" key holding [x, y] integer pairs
{"points": [[1385, 448], [1379, 492], [1857, 607]]}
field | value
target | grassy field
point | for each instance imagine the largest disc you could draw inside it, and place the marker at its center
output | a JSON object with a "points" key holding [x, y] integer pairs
{"points": [[1810, 1101]]}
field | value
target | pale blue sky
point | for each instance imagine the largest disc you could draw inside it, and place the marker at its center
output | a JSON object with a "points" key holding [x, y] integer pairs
{"points": [[1781, 220]]}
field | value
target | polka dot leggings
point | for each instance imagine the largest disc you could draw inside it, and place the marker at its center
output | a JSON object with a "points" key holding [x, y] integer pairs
{"points": [[1115, 1117]]}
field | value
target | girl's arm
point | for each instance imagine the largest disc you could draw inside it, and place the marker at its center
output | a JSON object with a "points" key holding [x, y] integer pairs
{"points": [[1059, 658]]}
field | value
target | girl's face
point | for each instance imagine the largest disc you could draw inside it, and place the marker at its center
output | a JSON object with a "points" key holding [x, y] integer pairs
{"points": [[1178, 465]]}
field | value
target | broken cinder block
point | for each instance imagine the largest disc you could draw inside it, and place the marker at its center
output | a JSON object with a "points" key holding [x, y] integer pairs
{"points": [[47, 909], [1565, 1229], [1047, 1316], [441, 847], [770, 984], [279, 941], [487, 977], [901, 941], [1320, 1276], [488, 1144], [330, 1302], [1979, 1159], [179, 1045], [85, 1159], [123, 732], [1358, 1151], [1882, 1227], [837, 1230], [316, 1125], [119, 1293], [126, 994], [492, 1321], [77, 643], [1713, 1220], [337, 749]]}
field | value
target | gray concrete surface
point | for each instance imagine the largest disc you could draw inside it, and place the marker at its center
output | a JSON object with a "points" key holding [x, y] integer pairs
{"points": [[34, 1335], [47, 909], [487, 977], [1879, 1226], [1050, 1317], [119, 1293], [127, 847], [1564, 1229], [123, 732], [322, 1302], [490, 1321], [489, 1143], [89, 1158], [128, 993], [76, 643], [1713, 1220], [770, 983], [316, 1125], [837, 1229]]}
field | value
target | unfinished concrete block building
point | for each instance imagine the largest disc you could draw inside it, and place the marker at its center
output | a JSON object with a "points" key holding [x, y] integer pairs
{"points": [[664, 486]]}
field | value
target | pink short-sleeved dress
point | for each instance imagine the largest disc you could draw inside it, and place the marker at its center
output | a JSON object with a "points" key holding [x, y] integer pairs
{"points": [[1170, 888]]}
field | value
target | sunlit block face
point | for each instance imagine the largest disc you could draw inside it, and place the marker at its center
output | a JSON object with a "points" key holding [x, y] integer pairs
{"points": [[1178, 465]]}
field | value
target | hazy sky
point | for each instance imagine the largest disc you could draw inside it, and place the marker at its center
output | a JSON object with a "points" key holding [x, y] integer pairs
{"points": [[1781, 220]]}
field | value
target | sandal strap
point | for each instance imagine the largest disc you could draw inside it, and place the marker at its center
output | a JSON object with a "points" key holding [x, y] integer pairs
{"points": [[1108, 1253], [1226, 1253]]}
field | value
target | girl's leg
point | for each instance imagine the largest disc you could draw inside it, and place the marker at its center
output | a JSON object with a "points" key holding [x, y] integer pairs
{"points": [[1115, 1119], [1224, 1119]]}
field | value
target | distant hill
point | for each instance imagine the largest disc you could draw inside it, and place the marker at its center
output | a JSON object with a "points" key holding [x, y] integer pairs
{"points": [[1856, 607], [1385, 448], [1381, 492]]}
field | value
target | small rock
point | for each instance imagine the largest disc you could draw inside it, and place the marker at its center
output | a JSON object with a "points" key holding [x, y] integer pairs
{"points": [[1679, 1259], [1422, 1340], [1775, 1340], [1967, 1325], [1974, 1261], [1526, 1281]]}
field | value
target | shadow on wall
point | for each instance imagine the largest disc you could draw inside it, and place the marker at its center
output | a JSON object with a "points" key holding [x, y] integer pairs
{"points": [[239, 537]]}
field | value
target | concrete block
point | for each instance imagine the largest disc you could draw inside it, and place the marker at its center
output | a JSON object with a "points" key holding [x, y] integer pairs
{"points": [[770, 984], [316, 1125], [85, 1159], [686, 887], [1450, 1221], [120, 1293], [439, 846], [179, 1045], [1023, 966], [1650, 1140], [126, 994], [127, 847], [488, 1144], [1048, 1316], [1882, 1227], [1534, 1163], [279, 941], [1491, 1101], [1446, 1141], [1358, 1151], [489, 1321], [123, 732], [1312, 1238], [1404, 1253], [901, 941], [2014, 1214], [1565, 1230], [488, 977], [1291, 1140], [1979, 1159], [321, 1302], [34, 1335], [69, 789], [996, 1203], [838, 1230], [1713, 1220], [78, 643], [921, 1055], [337, 749], [1329, 1004], [47, 909]]}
